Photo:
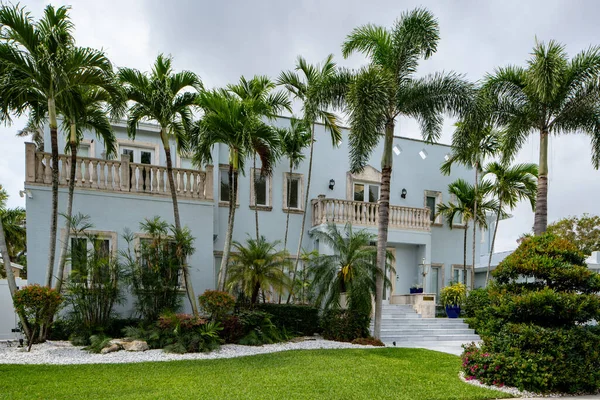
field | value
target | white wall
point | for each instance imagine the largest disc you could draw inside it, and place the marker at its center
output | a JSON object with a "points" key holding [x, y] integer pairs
{"points": [[8, 318]]}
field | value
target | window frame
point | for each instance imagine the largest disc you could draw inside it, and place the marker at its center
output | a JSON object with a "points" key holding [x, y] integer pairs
{"points": [[224, 168], [367, 186], [459, 268], [286, 178], [438, 220], [268, 194], [111, 236], [137, 241]]}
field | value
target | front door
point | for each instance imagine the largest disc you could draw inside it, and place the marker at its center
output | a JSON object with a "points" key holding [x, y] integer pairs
{"points": [[139, 156]]}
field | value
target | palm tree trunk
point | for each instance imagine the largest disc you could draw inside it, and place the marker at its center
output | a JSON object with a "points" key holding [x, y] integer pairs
{"points": [[487, 276], [287, 217], [310, 164], [184, 267], [465, 255], [475, 223], [54, 212], [541, 203], [227, 247], [255, 200], [10, 278], [65, 244], [382, 229]]}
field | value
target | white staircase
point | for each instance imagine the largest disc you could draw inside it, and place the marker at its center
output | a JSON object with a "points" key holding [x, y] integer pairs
{"points": [[402, 325]]}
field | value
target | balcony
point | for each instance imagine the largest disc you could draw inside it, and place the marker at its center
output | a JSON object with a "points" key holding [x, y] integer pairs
{"points": [[359, 213], [118, 175]]}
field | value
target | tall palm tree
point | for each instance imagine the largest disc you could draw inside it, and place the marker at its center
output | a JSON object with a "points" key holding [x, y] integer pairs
{"points": [[40, 66], [10, 277], [13, 221], [314, 86], [257, 265], [163, 96], [510, 184], [351, 270], [463, 206], [387, 89], [229, 120], [262, 103], [472, 143], [88, 111], [552, 95], [293, 142]]}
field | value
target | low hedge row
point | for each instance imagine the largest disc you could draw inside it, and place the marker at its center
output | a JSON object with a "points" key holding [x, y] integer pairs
{"points": [[294, 318]]}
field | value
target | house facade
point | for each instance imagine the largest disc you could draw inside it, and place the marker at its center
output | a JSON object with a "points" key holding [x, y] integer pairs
{"points": [[121, 192]]}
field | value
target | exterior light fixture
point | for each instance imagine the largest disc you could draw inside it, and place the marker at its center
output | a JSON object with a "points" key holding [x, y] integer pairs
{"points": [[403, 193], [397, 149], [331, 184], [423, 154]]}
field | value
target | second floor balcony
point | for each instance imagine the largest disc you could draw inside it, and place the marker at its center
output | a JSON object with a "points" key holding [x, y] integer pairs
{"points": [[361, 213]]}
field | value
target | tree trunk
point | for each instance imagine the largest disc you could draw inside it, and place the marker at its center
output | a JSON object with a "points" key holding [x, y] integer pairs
{"points": [[475, 223], [310, 164], [54, 212], [65, 244], [487, 276], [287, 217], [10, 277], [184, 267], [233, 173], [382, 229], [541, 203], [465, 254], [255, 200]]}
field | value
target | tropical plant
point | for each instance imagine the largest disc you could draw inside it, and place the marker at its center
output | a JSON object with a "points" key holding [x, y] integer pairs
{"points": [[216, 303], [41, 68], [293, 141], [510, 184], [13, 222], [584, 231], [38, 304], [387, 89], [258, 265], [454, 294], [319, 88], [552, 95], [258, 94], [463, 206], [350, 270], [162, 96], [230, 120]]}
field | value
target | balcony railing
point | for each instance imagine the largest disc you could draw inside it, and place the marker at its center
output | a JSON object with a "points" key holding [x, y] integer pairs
{"points": [[118, 175], [367, 214]]}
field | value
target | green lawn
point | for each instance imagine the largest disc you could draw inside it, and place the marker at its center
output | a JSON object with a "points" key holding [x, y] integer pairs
{"points": [[317, 374]]}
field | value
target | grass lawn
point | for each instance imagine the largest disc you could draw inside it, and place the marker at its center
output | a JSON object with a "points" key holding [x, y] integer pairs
{"points": [[388, 373]]}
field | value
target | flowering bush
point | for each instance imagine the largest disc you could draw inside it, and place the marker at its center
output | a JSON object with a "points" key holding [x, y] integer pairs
{"points": [[38, 304], [216, 303]]}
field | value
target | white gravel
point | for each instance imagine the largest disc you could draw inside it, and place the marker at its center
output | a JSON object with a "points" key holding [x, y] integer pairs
{"points": [[506, 389], [61, 353]]}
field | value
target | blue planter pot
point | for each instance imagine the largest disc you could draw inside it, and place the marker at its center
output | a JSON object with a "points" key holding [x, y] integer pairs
{"points": [[413, 290], [453, 311]]}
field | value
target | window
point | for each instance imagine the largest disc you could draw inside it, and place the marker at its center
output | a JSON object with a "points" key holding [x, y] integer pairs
{"points": [[89, 252], [432, 200], [292, 192], [260, 189], [84, 150], [458, 272], [224, 186], [161, 257], [367, 192], [138, 155]]}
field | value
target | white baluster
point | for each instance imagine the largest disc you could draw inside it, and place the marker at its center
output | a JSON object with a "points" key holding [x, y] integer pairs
{"points": [[94, 178], [155, 171], [134, 179], [109, 179]]}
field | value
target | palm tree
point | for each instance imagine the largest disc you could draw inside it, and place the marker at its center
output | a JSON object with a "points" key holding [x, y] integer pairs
{"points": [[293, 142], [162, 96], [13, 221], [257, 265], [463, 206], [40, 66], [10, 277], [314, 86], [472, 143], [262, 103], [387, 89], [510, 184], [89, 111], [352, 269], [229, 120], [552, 95]]}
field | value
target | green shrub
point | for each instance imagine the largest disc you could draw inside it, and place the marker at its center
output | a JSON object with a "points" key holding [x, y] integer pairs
{"points": [[233, 330], [259, 329], [370, 341], [216, 303], [345, 325], [97, 343], [476, 300], [294, 318], [38, 304]]}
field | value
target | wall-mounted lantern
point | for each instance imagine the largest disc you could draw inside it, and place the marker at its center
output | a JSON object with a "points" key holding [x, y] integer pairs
{"points": [[331, 184], [403, 193]]}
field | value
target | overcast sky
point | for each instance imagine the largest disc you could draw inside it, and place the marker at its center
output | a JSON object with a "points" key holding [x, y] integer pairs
{"points": [[222, 40]]}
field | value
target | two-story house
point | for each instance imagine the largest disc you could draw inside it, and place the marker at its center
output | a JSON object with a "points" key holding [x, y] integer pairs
{"points": [[121, 192]]}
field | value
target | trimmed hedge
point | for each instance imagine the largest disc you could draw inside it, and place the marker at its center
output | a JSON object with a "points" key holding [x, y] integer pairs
{"points": [[345, 325], [294, 318]]}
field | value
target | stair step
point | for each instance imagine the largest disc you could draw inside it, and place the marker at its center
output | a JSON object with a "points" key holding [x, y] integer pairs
{"points": [[431, 331], [425, 338]]}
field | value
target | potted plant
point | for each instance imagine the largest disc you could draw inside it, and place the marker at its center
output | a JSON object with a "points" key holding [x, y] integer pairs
{"points": [[417, 288], [452, 296]]}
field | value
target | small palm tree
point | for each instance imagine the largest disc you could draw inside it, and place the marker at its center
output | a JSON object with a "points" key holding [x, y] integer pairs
{"points": [[463, 207], [13, 221], [257, 265], [387, 89], [162, 96], [552, 95], [510, 184], [314, 86], [351, 270]]}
